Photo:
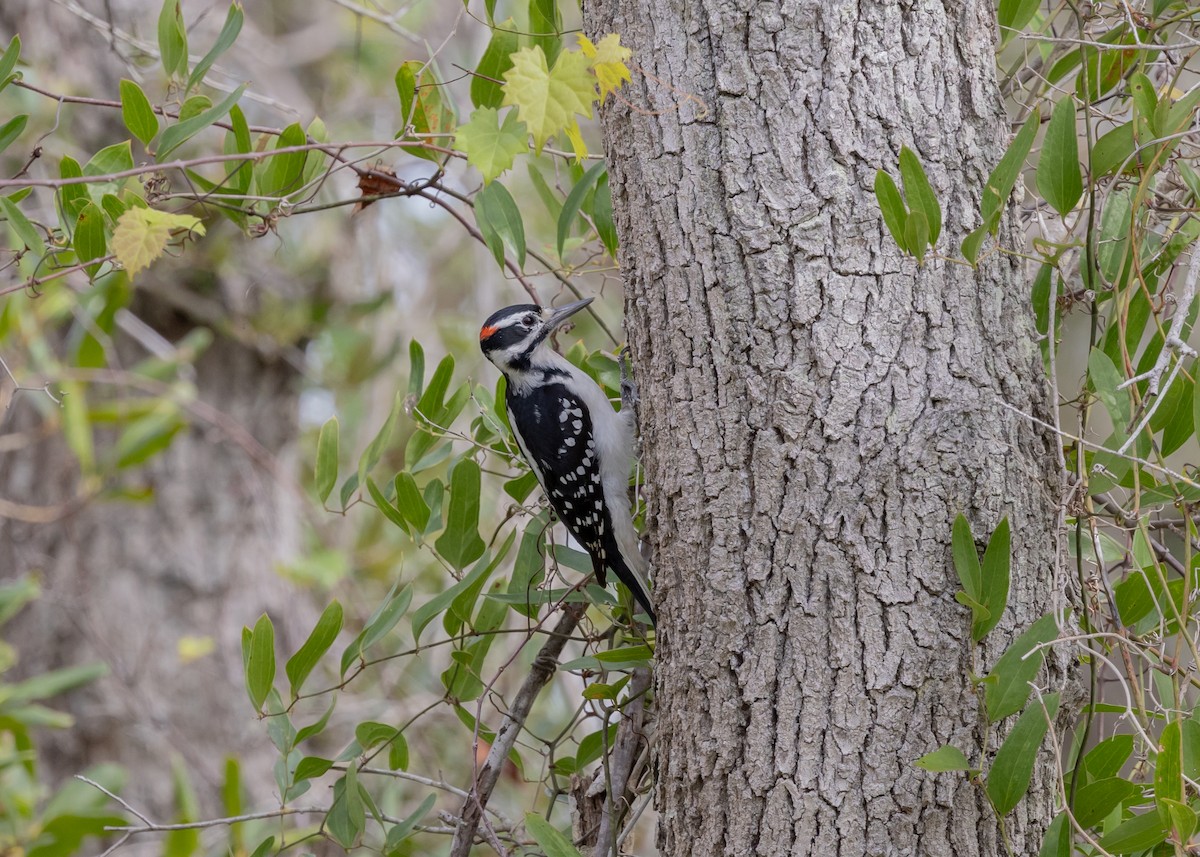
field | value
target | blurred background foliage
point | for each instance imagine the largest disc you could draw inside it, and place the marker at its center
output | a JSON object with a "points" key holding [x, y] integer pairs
{"points": [[161, 424]]}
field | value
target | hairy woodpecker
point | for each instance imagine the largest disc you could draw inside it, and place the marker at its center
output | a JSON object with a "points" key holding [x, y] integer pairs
{"points": [[580, 449]]}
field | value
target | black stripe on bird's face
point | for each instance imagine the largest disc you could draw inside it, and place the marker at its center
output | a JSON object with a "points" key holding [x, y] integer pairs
{"points": [[511, 326]]}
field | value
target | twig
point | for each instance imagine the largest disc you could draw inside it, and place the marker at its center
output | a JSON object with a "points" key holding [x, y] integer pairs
{"points": [[217, 822], [115, 797], [506, 736], [619, 765]]}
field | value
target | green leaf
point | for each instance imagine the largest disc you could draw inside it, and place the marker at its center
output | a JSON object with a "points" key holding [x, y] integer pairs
{"points": [[280, 174], [602, 215], [327, 459], [1013, 15], [486, 89], [25, 232], [264, 847], [945, 758], [570, 210], [312, 766], [1141, 90], [382, 621], [74, 196], [381, 503], [895, 213], [591, 747], [323, 635], [545, 27], [549, 98], [529, 569], [490, 146], [460, 543], [8, 61], [996, 562], [551, 841], [138, 113], [1058, 838], [176, 135], [966, 559], [398, 754], [1113, 149], [226, 38], [1180, 818], [970, 244], [89, 240], [370, 733], [1004, 177], [378, 444], [347, 817], [426, 613], [919, 193], [500, 222], [1008, 683], [1008, 777], [416, 368], [399, 832], [1106, 759], [1107, 379], [1059, 179], [185, 842], [463, 605], [1135, 835], [1112, 248], [12, 129], [410, 502], [172, 38], [1096, 800], [260, 664], [546, 194], [916, 234], [194, 106], [317, 727], [50, 684], [423, 107], [1168, 769]]}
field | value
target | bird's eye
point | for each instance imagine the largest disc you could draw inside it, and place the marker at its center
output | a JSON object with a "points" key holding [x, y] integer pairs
{"points": [[529, 320]]}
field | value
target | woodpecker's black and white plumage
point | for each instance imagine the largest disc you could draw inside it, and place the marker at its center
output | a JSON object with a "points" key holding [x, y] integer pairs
{"points": [[580, 449]]}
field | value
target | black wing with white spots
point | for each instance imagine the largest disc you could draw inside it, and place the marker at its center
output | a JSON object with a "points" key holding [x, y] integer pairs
{"points": [[555, 433]]}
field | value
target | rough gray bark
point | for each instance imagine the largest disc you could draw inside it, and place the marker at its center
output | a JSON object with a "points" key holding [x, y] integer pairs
{"points": [[816, 409]]}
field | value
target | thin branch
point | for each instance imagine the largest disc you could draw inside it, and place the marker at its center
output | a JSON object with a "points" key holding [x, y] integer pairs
{"points": [[540, 674], [619, 764], [218, 822], [128, 807]]}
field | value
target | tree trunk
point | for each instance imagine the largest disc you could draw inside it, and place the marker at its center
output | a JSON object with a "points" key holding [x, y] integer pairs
{"points": [[816, 409]]}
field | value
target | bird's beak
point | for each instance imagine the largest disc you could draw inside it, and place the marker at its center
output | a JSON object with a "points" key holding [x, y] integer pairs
{"points": [[558, 316]]}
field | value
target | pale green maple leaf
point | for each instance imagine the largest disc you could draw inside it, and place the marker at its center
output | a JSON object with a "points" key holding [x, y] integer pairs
{"points": [[491, 146], [142, 234], [548, 98]]}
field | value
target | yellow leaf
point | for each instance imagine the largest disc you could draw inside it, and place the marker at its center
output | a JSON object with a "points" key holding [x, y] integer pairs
{"points": [[547, 99], [608, 62], [142, 234], [576, 137]]}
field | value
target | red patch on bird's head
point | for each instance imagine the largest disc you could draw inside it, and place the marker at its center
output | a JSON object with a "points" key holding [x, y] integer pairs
{"points": [[486, 331]]}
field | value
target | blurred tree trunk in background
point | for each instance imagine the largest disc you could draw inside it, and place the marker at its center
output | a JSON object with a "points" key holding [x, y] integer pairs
{"points": [[159, 590], [816, 409]]}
